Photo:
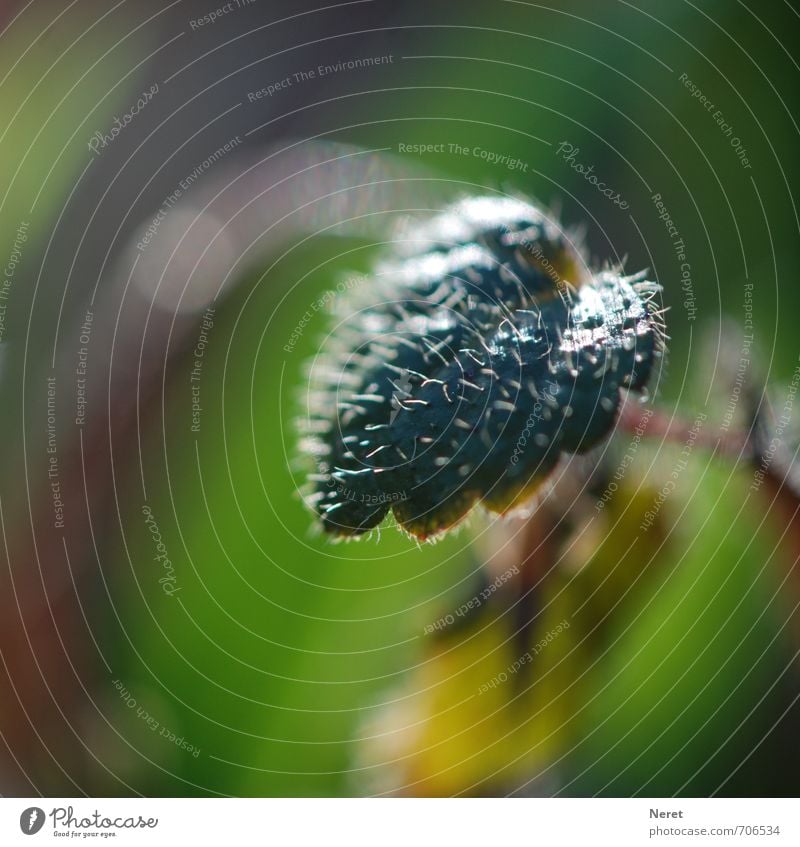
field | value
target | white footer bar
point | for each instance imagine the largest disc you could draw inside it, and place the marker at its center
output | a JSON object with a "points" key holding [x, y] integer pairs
{"points": [[406, 822]]}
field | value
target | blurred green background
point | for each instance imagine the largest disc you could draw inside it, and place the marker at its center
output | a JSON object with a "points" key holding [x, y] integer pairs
{"points": [[297, 667]]}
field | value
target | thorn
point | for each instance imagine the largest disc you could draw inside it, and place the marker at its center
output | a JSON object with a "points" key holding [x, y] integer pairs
{"points": [[503, 406], [471, 354]]}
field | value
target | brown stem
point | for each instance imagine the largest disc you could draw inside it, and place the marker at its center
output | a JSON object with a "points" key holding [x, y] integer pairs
{"points": [[676, 430]]}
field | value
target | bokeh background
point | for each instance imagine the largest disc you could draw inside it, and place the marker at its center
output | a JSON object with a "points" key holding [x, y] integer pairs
{"points": [[260, 659]]}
